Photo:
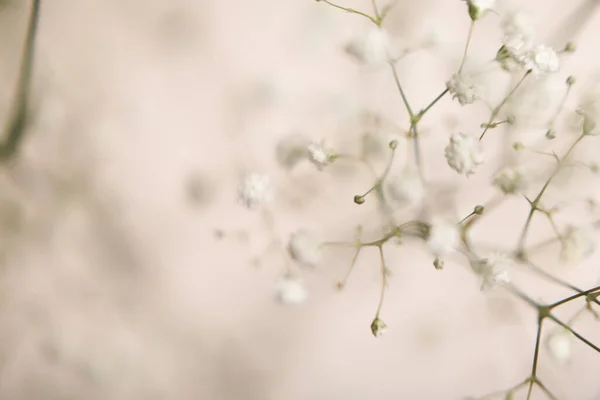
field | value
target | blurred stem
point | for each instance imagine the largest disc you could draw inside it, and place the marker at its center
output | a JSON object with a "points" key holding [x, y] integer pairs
{"points": [[18, 115], [464, 58]]}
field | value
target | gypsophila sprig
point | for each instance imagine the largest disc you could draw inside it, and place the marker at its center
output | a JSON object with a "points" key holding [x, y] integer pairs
{"points": [[578, 242], [463, 154], [254, 190], [479, 8]]}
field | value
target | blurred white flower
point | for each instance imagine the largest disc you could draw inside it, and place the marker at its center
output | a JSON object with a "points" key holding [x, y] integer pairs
{"points": [[509, 180], [290, 290], [320, 155], [578, 242], [254, 190], [542, 60], [405, 187], [463, 153], [492, 271], [463, 88], [518, 23], [304, 248], [443, 238], [560, 346], [478, 8], [370, 48]]}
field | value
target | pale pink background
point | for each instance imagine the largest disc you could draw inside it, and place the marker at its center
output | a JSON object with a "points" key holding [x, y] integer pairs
{"points": [[114, 285]]}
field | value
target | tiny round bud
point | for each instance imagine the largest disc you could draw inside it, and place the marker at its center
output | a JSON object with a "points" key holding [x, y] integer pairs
{"points": [[570, 47], [571, 80], [393, 144], [358, 199], [550, 134], [378, 327], [478, 210], [594, 168], [518, 146], [511, 119], [438, 263]]}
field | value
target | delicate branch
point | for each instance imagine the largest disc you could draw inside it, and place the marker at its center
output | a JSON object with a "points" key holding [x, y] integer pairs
{"points": [[353, 11], [464, 58]]}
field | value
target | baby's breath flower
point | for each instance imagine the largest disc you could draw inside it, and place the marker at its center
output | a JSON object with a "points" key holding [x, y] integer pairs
{"points": [[320, 155], [478, 8], [304, 248], [254, 190], [371, 48], [542, 60], [578, 242], [560, 346], [405, 187], [463, 153], [290, 290], [509, 181], [492, 270], [589, 109], [463, 88], [443, 238]]}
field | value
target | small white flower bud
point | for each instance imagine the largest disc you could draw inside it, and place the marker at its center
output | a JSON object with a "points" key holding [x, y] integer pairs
{"points": [[304, 248], [509, 181], [254, 190], [320, 155], [290, 291], [463, 154], [492, 271]]}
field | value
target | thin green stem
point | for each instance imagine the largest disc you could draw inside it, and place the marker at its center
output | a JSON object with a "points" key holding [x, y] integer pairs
{"points": [[343, 282], [17, 121], [399, 86], [502, 103], [469, 35], [535, 356], [424, 111], [353, 11], [575, 296], [577, 335], [383, 280]]}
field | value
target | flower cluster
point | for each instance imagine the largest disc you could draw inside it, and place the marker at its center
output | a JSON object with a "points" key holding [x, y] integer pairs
{"points": [[463, 154]]}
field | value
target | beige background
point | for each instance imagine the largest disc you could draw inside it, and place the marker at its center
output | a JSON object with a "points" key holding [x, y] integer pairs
{"points": [[114, 285]]}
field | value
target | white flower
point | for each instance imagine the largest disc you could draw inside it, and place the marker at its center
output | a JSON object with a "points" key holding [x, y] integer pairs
{"points": [[542, 60], [577, 243], [492, 270], [463, 88], [560, 346], [320, 155], [478, 8], [290, 291], [509, 181], [405, 187], [304, 248], [371, 48], [463, 153], [443, 238], [254, 190], [518, 24]]}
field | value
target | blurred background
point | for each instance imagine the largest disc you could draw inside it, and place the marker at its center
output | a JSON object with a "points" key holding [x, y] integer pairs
{"points": [[129, 271]]}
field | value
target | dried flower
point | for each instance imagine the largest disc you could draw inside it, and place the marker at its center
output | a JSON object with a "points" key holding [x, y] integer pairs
{"points": [[463, 153]]}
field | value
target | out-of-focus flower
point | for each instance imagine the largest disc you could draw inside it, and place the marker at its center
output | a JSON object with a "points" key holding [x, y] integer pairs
{"points": [[578, 242], [478, 8], [290, 290], [443, 238], [509, 181], [560, 346], [589, 109], [290, 150], [492, 270], [304, 248], [320, 155], [371, 48], [405, 187], [254, 190], [463, 153]]}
